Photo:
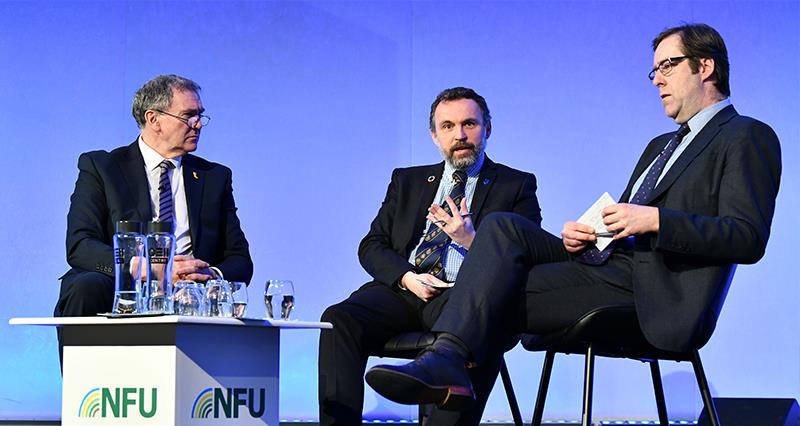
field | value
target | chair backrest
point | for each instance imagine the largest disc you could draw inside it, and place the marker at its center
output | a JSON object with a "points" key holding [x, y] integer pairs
{"points": [[705, 327]]}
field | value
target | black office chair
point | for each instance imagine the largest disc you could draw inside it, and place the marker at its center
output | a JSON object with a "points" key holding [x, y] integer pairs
{"points": [[409, 345], [614, 332]]}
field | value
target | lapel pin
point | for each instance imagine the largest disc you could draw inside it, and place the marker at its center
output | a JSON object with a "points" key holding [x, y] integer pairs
{"points": [[431, 178], [486, 181], [194, 174]]}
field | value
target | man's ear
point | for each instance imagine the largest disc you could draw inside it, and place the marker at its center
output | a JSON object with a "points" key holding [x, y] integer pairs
{"points": [[707, 67], [488, 129], [151, 119]]}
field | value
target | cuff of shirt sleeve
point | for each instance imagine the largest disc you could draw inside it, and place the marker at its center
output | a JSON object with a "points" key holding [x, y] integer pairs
{"points": [[459, 247], [217, 273]]}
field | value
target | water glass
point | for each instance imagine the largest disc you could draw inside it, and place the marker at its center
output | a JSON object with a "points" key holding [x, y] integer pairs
{"points": [[157, 299], [279, 296], [239, 298], [190, 299], [218, 296]]}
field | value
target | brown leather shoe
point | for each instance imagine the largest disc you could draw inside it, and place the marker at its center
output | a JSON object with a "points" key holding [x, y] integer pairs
{"points": [[437, 376]]}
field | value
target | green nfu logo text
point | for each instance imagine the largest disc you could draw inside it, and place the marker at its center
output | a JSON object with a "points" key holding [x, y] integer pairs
{"points": [[118, 402], [226, 403]]}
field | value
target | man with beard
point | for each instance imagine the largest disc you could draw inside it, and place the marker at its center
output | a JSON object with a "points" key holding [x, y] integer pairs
{"points": [[700, 200], [153, 178], [414, 250]]}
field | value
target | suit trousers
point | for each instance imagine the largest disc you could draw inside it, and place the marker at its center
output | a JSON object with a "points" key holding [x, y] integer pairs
{"points": [[519, 278], [362, 324], [83, 293]]}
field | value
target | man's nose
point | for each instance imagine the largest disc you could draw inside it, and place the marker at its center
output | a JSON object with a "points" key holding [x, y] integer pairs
{"points": [[658, 79], [460, 133]]}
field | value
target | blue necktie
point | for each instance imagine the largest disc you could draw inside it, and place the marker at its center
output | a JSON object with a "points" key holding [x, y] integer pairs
{"points": [[593, 256], [431, 250], [165, 206]]}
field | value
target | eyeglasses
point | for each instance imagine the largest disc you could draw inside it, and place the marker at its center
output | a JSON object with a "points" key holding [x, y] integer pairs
{"points": [[665, 66], [191, 121]]}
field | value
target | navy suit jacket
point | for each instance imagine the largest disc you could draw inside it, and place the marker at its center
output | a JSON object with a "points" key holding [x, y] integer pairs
{"points": [[400, 222], [112, 186], [715, 211]]}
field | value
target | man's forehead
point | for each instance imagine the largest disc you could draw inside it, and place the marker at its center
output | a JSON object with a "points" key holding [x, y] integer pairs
{"points": [[186, 100], [668, 48], [457, 107]]}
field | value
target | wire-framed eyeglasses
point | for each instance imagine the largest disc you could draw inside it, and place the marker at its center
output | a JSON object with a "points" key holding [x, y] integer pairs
{"points": [[190, 121]]}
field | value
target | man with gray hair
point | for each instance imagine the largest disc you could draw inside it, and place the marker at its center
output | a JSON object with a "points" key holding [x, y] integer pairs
{"points": [[134, 182]]}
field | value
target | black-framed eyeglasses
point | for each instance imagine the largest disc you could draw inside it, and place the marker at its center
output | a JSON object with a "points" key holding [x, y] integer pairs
{"points": [[665, 66], [191, 121]]}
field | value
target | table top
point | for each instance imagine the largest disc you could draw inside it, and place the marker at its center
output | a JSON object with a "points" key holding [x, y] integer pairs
{"points": [[168, 319]]}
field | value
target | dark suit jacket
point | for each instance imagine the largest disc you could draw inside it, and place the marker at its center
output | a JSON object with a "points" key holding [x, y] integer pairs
{"points": [[400, 222], [715, 206], [112, 186]]}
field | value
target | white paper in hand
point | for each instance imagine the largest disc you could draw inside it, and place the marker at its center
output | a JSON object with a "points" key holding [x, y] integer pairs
{"points": [[594, 218]]}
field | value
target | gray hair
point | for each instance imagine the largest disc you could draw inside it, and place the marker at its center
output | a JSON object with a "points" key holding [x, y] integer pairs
{"points": [[156, 94]]}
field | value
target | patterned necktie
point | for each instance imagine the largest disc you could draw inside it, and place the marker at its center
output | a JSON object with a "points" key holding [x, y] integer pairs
{"points": [[165, 206], [431, 250], [593, 256]]}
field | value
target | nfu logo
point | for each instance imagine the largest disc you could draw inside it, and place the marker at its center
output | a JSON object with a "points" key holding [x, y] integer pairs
{"points": [[225, 402], [115, 402]]}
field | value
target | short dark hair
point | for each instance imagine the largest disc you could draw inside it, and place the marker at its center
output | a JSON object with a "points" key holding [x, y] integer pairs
{"points": [[702, 41], [456, 93], [156, 94]]}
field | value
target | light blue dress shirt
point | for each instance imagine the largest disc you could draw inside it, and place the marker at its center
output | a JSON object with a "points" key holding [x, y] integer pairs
{"points": [[454, 253], [696, 124]]}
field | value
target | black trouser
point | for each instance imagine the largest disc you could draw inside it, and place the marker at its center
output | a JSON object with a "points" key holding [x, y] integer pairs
{"points": [[362, 324], [519, 278], [83, 293]]}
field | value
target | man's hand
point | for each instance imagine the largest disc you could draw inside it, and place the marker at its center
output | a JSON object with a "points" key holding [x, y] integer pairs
{"points": [[410, 282], [458, 226], [187, 268], [576, 236], [630, 219]]}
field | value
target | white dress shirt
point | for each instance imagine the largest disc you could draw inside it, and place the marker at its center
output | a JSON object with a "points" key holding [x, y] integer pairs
{"points": [[152, 159]]}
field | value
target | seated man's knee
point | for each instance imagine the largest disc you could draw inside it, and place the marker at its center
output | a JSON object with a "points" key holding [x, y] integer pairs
{"points": [[85, 293], [500, 222], [333, 313], [91, 284]]}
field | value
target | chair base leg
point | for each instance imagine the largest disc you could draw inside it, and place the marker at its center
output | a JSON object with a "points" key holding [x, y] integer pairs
{"points": [[705, 392], [588, 383], [544, 383], [658, 389], [512, 398]]}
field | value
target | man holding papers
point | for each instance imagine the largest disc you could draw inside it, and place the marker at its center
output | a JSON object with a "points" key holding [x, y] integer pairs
{"points": [[413, 251], [699, 201]]}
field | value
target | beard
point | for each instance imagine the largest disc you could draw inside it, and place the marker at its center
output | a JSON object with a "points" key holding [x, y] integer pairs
{"points": [[463, 163]]}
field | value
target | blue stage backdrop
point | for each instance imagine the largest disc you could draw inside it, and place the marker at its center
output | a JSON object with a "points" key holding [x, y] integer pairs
{"points": [[315, 102]]}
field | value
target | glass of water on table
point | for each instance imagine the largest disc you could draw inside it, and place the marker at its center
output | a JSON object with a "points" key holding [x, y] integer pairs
{"points": [[239, 297], [279, 297]]}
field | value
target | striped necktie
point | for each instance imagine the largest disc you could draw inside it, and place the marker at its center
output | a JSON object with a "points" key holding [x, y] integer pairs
{"points": [[593, 256], [430, 252], [165, 205]]}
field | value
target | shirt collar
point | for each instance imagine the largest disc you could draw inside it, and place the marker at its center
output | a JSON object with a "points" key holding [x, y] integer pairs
{"points": [[152, 159], [702, 118]]}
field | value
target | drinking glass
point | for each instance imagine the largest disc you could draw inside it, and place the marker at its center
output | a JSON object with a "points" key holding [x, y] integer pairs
{"points": [[190, 299], [279, 293], [218, 295], [239, 297]]}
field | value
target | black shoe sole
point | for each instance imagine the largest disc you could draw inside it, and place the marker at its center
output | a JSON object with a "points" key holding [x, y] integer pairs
{"points": [[406, 389]]}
